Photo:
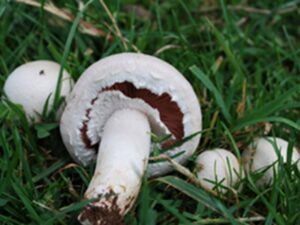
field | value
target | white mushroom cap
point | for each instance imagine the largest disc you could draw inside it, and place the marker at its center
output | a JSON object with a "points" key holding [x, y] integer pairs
{"points": [[107, 86], [31, 84], [261, 156], [217, 168]]}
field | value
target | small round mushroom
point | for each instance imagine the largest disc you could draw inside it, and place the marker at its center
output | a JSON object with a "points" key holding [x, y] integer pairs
{"points": [[32, 83], [262, 156], [113, 107], [218, 170]]}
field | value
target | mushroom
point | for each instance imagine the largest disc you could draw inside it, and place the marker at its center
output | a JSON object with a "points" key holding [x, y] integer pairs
{"points": [[218, 169], [262, 155], [32, 83], [113, 107]]}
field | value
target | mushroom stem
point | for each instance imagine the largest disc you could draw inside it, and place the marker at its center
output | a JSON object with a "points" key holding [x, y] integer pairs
{"points": [[121, 162]]}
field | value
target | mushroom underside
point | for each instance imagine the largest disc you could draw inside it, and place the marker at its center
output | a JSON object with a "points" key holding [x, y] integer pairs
{"points": [[169, 112]]}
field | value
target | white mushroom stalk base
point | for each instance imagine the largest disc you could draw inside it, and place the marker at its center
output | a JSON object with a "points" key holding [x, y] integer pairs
{"points": [[121, 162]]}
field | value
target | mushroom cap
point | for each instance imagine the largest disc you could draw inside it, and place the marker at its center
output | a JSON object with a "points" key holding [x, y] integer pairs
{"points": [[261, 155], [122, 81], [218, 166], [31, 84]]}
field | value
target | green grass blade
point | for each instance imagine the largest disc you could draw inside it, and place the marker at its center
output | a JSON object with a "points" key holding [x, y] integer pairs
{"points": [[199, 195], [22, 157], [43, 174], [210, 86], [268, 109], [25, 200], [267, 119], [70, 38], [226, 47]]}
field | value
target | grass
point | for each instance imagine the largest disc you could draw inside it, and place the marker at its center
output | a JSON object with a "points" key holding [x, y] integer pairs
{"points": [[243, 61]]}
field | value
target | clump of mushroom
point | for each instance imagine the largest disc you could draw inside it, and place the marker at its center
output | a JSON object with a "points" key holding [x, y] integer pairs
{"points": [[33, 83], [218, 170], [113, 107], [263, 155]]}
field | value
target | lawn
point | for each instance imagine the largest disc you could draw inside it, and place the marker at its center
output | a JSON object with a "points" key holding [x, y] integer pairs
{"points": [[242, 59]]}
